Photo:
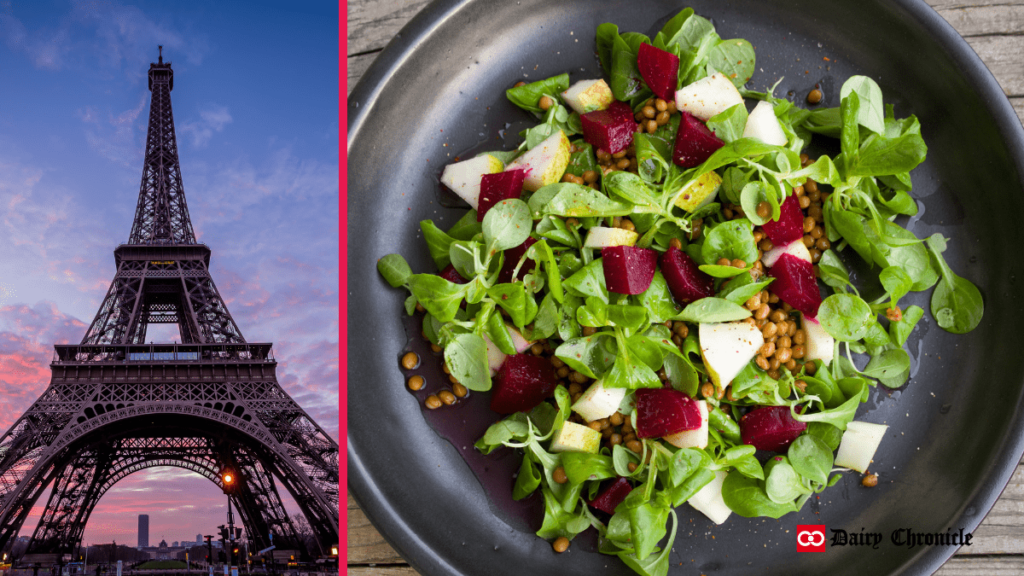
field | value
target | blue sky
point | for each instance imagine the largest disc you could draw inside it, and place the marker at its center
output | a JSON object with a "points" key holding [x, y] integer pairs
{"points": [[255, 105]]}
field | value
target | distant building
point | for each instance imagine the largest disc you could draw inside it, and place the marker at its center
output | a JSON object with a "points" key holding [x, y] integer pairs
{"points": [[174, 544], [163, 551], [143, 531], [199, 538]]}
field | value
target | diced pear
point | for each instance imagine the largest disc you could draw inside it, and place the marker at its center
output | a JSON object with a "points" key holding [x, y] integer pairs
{"points": [[692, 438], [727, 348], [599, 402], [763, 125], [860, 441], [699, 192], [601, 236], [708, 96], [819, 345], [708, 500], [495, 357], [520, 343], [796, 248], [588, 96], [573, 437], [545, 163], [464, 177]]}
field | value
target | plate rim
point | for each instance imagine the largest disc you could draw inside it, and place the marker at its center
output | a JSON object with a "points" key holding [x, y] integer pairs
{"points": [[361, 102]]}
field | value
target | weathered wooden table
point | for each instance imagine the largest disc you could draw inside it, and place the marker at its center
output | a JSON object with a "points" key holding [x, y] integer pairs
{"points": [[994, 28]]}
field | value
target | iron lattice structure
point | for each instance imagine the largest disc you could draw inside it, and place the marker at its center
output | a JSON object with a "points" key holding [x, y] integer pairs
{"points": [[116, 405]]}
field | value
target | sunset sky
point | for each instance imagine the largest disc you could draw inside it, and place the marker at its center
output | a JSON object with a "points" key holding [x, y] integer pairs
{"points": [[255, 105]]}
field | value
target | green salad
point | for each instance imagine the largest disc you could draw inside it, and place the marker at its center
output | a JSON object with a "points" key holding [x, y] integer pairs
{"points": [[653, 289]]}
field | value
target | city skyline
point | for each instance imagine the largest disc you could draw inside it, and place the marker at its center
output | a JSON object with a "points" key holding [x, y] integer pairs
{"points": [[257, 137]]}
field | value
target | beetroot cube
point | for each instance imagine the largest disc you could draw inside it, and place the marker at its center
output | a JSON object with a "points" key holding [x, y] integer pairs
{"points": [[795, 284], [770, 428], [789, 226], [684, 278], [512, 256], [612, 496], [627, 269], [497, 187], [452, 275], [610, 129], [694, 142], [660, 70], [664, 411], [524, 381]]}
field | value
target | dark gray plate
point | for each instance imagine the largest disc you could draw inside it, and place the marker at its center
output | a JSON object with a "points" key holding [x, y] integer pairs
{"points": [[955, 429]]}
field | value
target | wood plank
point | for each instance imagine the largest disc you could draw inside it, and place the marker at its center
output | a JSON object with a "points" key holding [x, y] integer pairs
{"points": [[947, 4], [365, 544], [372, 23], [985, 20], [385, 571], [1002, 531], [1002, 56], [961, 566], [372, 26]]}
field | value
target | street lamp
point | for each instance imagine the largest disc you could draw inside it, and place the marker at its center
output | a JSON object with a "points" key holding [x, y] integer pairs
{"points": [[229, 479]]}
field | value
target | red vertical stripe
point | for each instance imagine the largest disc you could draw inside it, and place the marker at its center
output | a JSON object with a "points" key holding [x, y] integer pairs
{"points": [[343, 281]]}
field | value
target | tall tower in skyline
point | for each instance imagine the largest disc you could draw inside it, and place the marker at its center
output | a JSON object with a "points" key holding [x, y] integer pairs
{"points": [[143, 530], [210, 403]]}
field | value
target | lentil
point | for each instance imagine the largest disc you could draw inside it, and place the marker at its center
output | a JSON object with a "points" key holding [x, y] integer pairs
{"points": [[707, 390], [410, 360], [433, 402], [416, 383], [559, 475], [561, 544]]}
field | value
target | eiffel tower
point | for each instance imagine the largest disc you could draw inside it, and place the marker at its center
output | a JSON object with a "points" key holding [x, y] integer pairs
{"points": [[116, 405]]}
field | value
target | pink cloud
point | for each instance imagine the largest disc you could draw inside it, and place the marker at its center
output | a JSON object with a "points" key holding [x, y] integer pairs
{"points": [[27, 336]]}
